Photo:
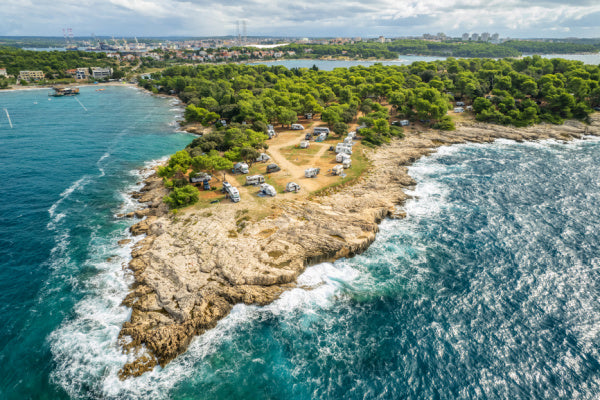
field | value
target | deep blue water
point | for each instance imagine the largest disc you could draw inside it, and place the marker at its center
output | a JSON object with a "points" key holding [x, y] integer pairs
{"points": [[488, 289]]}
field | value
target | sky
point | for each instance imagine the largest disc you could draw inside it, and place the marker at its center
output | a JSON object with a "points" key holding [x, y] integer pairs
{"points": [[301, 18]]}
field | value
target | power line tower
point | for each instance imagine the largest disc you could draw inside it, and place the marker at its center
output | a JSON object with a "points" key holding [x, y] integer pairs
{"points": [[245, 33]]}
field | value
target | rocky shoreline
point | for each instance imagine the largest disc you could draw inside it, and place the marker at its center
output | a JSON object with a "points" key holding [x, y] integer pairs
{"points": [[193, 267]]}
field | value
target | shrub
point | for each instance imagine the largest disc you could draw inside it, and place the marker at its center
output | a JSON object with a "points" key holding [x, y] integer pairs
{"points": [[182, 197]]}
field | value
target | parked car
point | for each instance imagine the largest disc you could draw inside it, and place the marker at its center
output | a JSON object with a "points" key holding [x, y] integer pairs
{"points": [[273, 168]]}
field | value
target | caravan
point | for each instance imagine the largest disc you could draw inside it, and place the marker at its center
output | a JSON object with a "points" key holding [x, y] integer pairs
{"points": [[320, 129], [343, 148], [297, 127], [304, 144], [292, 187], [240, 168], [267, 190], [264, 157], [321, 137], [255, 180]]}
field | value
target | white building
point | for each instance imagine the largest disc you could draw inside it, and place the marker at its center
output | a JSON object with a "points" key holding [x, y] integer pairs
{"points": [[100, 73], [3, 72], [82, 73]]}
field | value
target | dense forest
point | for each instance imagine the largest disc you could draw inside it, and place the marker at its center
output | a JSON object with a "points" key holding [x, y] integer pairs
{"points": [[240, 100], [536, 47], [51, 62], [451, 48]]}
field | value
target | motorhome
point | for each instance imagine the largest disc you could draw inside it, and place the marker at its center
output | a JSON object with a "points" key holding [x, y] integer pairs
{"points": [[343, 148], [340, 157], [347, 163], [311, 172], [297, 127], [338, 169], [304, 144], [231, 192], [321, 137]]}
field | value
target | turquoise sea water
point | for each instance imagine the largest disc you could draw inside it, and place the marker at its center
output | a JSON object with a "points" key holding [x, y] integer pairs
{"points": [[64, 173], [488, 289]]}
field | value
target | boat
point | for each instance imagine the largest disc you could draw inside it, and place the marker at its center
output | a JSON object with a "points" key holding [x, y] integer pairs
{"points": [[66, 91], [100, 90]]}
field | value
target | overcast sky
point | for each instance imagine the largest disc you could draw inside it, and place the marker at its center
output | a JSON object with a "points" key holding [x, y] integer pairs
{"points": [[512, 18]]}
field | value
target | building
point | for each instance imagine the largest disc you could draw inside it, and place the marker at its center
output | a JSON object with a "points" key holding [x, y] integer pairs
{"points": [[31, 75], [465, 36], [71, 72], [495, 37], [485, 36], [381, 39], [101, 73], [475, 37], [82, 73], [3, 72]]}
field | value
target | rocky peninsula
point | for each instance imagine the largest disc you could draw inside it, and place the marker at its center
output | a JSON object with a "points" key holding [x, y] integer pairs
{"points": [[193, 267]]}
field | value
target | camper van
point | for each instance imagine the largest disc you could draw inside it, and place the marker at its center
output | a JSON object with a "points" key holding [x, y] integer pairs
{"points": [[338, 169], [304, 144], [292, 187], [340, 157], [231, 192], [240, 168], [271, 134], [321, 137], [347, 163], [267, 190], [273, 168], [404, 122], [311, 172], [264, 157], [255, 180], [297, 127]]}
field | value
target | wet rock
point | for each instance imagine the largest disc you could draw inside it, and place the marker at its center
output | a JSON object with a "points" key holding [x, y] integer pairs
{"points": [[190, 271]]}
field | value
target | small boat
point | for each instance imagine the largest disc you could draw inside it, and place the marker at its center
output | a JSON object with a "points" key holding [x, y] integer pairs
{"points": [[100, 90], [66, 91]]}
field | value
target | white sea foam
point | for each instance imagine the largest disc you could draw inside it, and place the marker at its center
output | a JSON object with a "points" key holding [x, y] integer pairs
{"points": [[85, 347], [56, 217]]}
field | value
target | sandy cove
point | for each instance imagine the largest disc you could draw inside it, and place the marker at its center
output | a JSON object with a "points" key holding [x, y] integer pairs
{"points": [[193, 267]]}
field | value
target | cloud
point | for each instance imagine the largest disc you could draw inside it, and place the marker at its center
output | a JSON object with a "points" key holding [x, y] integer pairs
{"points": [[516, 18]]}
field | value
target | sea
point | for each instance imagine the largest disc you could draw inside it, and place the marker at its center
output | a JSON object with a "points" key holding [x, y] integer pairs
{"points": [[488, 289]]}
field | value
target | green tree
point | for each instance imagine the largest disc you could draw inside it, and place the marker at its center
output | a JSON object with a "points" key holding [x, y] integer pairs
{"points": [[182, 196]]}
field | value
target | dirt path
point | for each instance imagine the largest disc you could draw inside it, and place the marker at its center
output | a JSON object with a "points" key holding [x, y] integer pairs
{"points": [[296, 171]]}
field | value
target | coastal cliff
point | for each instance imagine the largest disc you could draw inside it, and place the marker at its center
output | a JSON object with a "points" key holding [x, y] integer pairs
{"points": [[193, 267]]}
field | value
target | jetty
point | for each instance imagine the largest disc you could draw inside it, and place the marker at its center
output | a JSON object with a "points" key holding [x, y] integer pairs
{"points": [[64, 91]]}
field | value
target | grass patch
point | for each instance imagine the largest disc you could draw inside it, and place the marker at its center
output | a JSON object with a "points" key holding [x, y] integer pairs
{"points": [[360, 165]]}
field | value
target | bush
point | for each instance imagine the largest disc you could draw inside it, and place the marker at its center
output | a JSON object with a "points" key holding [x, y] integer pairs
{"points": [[182, 197], [445, 124]]}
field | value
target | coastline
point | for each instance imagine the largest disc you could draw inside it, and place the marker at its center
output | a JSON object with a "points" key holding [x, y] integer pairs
{"points": [[46, 87], [192, 268]]}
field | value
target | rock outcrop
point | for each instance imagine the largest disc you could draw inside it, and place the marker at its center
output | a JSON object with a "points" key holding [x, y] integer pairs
{"points": [[192, 268]]}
